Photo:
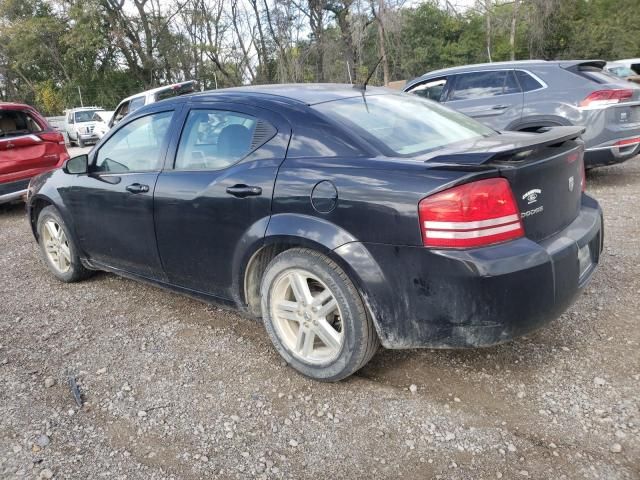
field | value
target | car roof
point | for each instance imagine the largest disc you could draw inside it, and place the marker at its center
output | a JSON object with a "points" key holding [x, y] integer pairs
{"points": [[153, 90], [628, 60], [85, 109], [516, 64], [306, 93], [15, 106]]}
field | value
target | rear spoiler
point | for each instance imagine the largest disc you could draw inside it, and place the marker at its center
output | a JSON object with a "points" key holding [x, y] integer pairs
{"points": [[579, 64], [503, 146]]}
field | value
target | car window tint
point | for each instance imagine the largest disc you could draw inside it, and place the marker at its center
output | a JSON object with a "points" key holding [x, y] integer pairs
{"points": [[214, 139], [135, 104], [403, 124], [431, 89], [84, 116], [15, 123], [121, 112], [136, 146], [482, 84], [527, 82]]}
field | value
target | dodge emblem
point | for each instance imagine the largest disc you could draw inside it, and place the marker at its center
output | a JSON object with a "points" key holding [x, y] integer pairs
{"points": [[571, 182]]}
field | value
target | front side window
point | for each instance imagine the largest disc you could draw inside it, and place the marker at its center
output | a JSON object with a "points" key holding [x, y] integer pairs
{"points": [[484, 84], [136, 147], [431, 89], [214, 139], [403, 124]]}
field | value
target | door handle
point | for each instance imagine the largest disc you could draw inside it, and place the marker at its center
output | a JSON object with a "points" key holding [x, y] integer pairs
{"points": [[242, 191], [138, 188], [500, 107]]}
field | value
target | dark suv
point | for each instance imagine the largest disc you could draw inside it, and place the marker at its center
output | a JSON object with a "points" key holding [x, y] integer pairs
{"points": [[529, 95]]}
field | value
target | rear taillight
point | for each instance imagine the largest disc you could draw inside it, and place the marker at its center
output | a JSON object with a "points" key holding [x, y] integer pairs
{"points": [[471, 215], [54, 137], [607, 97], [627, 142]]}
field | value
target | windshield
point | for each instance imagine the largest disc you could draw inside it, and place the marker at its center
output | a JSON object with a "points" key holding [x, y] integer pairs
{"points": [[405, 124], [85, 116]]}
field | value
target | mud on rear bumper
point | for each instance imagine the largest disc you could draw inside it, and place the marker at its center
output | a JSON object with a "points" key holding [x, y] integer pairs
{"points": [[478, 297]]}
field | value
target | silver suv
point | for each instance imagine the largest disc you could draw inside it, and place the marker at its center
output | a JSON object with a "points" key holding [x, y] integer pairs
{"points": [[529, 95]]}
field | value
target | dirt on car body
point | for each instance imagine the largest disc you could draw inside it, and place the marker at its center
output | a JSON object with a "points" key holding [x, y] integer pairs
{"points": [[174, 388]]}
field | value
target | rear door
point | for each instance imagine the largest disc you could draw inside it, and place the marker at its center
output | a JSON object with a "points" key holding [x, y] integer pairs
{"points": [[215, 192], [492, 97]]}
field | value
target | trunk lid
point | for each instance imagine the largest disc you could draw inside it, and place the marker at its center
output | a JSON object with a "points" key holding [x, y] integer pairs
{"points": [[545, 171]]}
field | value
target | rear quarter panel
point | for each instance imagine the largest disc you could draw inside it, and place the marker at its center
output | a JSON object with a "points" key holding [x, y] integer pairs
{"points": [[377, 199]]}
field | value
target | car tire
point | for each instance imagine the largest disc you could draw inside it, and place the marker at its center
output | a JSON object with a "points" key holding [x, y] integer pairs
{"points": [[58, 249], [315, 317]]}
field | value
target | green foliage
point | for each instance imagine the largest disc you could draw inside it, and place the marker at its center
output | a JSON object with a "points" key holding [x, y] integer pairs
{"points": [[49, 100], [50, 48]]}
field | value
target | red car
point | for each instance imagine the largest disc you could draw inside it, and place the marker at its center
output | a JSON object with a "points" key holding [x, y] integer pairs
{"points": [[28, 146]]}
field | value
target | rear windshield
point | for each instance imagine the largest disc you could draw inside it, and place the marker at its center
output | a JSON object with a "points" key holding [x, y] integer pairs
{"points": [[404, 124], [17, 122]]}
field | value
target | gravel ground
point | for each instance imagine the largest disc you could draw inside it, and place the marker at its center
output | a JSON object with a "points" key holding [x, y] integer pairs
{"points": [[174, 388]]}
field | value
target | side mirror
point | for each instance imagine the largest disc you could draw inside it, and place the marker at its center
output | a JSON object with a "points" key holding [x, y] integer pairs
{"points": [[77, 165]]}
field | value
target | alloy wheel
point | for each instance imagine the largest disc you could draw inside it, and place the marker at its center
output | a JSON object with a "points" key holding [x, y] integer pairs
{"points": [[56, 246], [306, 316]]}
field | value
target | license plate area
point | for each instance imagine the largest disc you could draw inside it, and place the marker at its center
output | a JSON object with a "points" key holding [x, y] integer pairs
{"points": [[584, 260]]}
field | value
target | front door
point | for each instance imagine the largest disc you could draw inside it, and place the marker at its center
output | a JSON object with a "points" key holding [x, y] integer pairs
{"points": [[112, 206], [491, 97], [216, 192]]}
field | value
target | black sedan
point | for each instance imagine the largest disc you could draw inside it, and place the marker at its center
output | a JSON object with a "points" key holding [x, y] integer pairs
{"points": [[342, 217]]}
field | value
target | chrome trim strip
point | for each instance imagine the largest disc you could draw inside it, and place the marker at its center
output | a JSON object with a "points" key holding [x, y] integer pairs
{"points": [[470, 225], [472, 233], [31, 136], [7, 197]]}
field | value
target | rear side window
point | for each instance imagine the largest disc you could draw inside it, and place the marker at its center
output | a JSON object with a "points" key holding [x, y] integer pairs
{"points": [[468, 86], [121, 112], [216, 139], [136, 103], [17, 122], [431, 89], [527, 82], [403, 124]]}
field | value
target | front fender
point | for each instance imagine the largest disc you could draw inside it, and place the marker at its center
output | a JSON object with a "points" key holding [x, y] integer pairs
{"points": [[42, 191]]}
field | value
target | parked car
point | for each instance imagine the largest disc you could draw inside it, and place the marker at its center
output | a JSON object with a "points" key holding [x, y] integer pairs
{"points": [[632, 63], [134, 102], [28, 146], [102, 119], [529, 95], [341, 217], [623, 71], [80, 124]]}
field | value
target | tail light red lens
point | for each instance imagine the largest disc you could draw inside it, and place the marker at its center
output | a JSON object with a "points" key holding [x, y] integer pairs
{"points": [[54, 137], [472, 215], [607, 97]]}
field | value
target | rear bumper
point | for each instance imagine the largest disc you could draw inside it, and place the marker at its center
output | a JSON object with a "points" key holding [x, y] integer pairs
{"points": [[477, 297], [609, 155], [12, 191]]}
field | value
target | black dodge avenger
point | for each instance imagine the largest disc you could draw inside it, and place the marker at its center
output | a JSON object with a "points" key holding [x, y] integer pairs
{"points": [[345, 218]]}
